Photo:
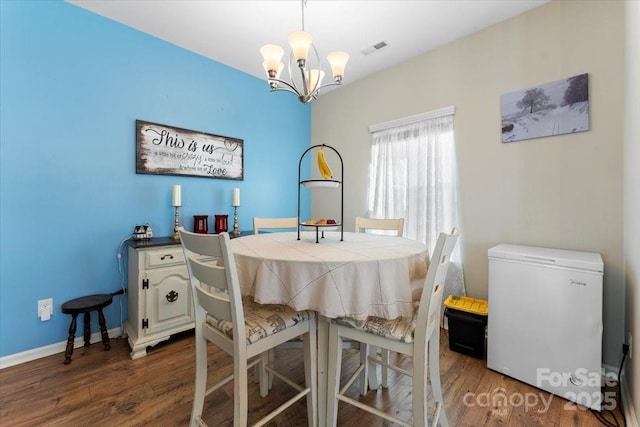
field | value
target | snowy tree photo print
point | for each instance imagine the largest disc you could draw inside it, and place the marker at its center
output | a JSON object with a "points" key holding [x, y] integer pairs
{"points": [[551, 109]]}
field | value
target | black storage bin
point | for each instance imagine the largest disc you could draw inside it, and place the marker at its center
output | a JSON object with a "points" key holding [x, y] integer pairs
{"points": [[466, 332]]}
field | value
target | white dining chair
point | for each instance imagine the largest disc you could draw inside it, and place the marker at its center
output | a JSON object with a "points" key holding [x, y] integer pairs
{"points": [[390, 226], [380, 224], [242, 328], [417, 337], [274, 224]]}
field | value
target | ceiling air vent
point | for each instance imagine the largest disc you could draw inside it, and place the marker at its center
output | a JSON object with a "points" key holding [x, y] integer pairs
{"points": [[369, 50]]}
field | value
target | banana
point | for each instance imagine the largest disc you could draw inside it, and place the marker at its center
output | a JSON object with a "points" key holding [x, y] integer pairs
{"points": [[323, 167]]}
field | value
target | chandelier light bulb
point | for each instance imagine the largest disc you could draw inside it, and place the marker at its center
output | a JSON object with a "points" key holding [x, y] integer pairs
{"points": [[272, 55], [300, 42], [338, 62], [314, 80], [280, 68]]}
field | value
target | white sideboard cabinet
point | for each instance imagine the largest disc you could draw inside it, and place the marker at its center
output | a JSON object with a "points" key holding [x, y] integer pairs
{"points": [[159, 293]]}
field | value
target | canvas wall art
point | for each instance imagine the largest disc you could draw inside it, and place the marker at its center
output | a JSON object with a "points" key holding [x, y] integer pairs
{"points": [[554, 108], [168, 150]]}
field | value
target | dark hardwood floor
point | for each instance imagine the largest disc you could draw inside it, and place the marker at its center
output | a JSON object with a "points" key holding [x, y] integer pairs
{"points": [[107, 388]]}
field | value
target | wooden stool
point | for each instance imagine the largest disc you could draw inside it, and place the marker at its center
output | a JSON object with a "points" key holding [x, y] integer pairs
{"points": [[86, 305]]}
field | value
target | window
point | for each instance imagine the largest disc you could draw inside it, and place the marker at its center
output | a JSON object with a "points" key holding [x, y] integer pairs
{"points": [[412, 174]]}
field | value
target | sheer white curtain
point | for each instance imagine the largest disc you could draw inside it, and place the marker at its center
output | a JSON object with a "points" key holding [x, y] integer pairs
{"points": [[412, 174]]}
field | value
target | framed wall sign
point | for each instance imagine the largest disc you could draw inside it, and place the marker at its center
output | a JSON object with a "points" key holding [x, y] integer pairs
{"points": [[167, 150]]}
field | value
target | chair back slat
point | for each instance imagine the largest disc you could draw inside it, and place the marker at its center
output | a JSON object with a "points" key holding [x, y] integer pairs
{"points": [[385, 224], [216, 304], [212, 289], [210, 272], [274, 223], [196, 244]]}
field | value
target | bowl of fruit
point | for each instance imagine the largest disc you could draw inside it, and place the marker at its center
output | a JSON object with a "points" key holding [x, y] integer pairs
{"points": [[325, 224]]}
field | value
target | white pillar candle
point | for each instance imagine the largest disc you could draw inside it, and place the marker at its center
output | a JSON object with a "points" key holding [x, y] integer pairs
{"points": [[236, 197], [177, 196]]}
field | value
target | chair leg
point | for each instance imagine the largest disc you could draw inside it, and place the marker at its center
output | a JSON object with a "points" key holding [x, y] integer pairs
{"points": [[385, 370], [72, 333], [103, 330], [419, 395], [240, 393], [257, 374], [272, 361], [434, 375], [333, 375], [373, 368], [311, 374], [364, 361], [263, 374], [87, 329], [201, 378]]}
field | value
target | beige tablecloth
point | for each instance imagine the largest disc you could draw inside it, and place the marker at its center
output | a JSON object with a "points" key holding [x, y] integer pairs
{"points": [[364, 275]]}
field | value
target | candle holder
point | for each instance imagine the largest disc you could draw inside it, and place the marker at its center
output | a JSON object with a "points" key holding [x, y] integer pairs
{"points": [[236, 231], [176, 224], [220, 223]]}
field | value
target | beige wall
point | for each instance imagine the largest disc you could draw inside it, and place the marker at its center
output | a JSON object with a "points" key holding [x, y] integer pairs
{"points": [[632, 198], [563, 191]]}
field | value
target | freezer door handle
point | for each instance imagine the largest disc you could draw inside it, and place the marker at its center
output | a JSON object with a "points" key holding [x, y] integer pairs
{"points": [[575, 282], [539, 258]]}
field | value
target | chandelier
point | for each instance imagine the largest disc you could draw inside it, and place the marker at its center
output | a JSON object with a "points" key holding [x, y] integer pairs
{"points": [[307, 84]]}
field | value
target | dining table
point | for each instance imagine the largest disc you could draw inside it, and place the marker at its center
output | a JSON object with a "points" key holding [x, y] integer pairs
{"points": [[356, 276]]}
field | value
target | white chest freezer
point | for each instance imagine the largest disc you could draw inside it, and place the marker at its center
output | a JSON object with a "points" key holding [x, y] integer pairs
{"points": [[545, 319]]}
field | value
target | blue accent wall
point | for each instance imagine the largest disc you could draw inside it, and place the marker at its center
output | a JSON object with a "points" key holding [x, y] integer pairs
{"points": [[72, 85]]}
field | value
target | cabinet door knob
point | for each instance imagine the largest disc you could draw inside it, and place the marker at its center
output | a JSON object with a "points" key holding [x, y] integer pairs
{"points": [[172, 296]]}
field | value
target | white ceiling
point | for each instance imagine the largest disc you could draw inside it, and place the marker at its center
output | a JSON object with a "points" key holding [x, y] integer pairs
{"points": [[232, 31]]}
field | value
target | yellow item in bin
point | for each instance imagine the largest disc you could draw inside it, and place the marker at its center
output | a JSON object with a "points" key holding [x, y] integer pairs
{"points": [[470, 305]]}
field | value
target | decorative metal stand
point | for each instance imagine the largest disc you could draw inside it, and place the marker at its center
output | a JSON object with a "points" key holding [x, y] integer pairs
{"points": [[236, 230], [176, 224], [322, 183]]}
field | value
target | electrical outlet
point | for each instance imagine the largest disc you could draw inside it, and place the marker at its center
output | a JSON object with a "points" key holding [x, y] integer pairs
{"points": [[45, 309], [630, 342]]}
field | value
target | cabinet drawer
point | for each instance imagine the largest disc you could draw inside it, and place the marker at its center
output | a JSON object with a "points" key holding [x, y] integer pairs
{"points": [[164, 257]]}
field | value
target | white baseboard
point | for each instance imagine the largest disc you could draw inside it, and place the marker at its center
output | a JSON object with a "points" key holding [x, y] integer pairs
{"points": [[48, 350], [627, 405], [610, 371]]}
